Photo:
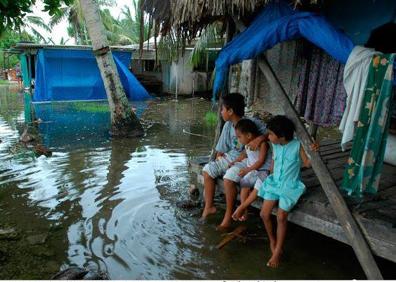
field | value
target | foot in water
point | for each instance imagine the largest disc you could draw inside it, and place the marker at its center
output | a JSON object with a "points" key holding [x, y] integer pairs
{"points": [[207, 211], [274, 260], [224, 225], [244, 217]]}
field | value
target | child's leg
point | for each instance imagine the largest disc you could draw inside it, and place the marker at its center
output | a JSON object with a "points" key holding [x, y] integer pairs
{"points": [[244, 205], [209, 190], [265, 214], [212, 170], [231, 178], [230, 195], [245, 191], [280, 238]]}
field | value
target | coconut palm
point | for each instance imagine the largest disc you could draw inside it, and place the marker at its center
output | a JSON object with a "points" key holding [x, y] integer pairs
{"points": [[74, 16], [126, 29], [211, 36], [123, 121], [33, 24]]}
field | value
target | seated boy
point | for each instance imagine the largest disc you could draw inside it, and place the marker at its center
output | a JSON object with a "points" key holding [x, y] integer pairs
{"points": [[228, 148]]}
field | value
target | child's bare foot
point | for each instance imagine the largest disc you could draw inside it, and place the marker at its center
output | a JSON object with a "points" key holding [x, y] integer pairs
{"points": [[237, 214], [225, 224], [274, 260], [208, 211], [244, 217]]}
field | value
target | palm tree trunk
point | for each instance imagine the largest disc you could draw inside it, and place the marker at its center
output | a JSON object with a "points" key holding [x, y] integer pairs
{"points": [[123, 121]]}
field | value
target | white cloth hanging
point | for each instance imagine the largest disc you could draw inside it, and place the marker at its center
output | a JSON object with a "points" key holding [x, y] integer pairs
{"points": [[355, 78]]}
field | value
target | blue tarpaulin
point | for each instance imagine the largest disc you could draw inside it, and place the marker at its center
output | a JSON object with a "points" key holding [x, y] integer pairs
{"points": [[278, 22], [64, 75]]}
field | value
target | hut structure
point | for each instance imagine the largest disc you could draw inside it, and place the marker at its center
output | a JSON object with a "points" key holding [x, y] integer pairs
{"points": [[160, 73], [70, 73], [59, 73], [289, 76]]}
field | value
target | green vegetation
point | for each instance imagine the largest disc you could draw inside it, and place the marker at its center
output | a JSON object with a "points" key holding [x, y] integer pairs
{"points": [[12, 12], [210, 37], [90, 107], [121, 31], [4, 82], [15, 21], [22, 27], [8, 39], [210, 118]]}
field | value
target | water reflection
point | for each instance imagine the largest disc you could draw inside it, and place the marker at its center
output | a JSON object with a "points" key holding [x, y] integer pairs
{"points": [[112, 196], [76, 124]]}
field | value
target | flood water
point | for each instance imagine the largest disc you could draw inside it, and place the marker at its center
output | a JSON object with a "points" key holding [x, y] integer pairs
{"points": [[111, 204]]}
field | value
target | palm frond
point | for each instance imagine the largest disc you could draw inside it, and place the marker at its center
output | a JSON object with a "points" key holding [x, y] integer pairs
{"points": [[211, 36], [38, 21], [59, 16]]}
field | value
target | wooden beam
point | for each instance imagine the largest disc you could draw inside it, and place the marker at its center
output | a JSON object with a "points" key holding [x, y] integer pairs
{"points": [[220, 121], [347, 221]]}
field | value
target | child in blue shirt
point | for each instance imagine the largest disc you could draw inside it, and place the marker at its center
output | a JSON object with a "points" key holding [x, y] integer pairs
{"points": [[283, 186]]}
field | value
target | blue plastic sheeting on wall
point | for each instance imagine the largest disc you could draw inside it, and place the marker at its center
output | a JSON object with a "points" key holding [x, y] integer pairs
{"points": [[277, 23], [64, 75]]}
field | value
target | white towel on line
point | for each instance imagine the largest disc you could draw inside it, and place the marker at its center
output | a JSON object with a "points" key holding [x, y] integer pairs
{"points": [[355, 78]]}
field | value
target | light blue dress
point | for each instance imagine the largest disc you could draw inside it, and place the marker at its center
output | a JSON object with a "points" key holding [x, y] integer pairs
{"points": [[285, 183]]}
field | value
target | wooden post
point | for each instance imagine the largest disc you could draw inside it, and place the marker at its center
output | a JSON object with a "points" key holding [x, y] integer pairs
{"points": [[347, 221], [313, 130], [220, 121], [252, 84]]}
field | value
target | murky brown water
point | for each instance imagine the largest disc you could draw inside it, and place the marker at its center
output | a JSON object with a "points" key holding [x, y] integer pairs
{"points": [[111, 204]]}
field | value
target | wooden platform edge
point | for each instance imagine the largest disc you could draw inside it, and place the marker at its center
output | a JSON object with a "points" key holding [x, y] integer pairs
{"points": [[305, 217]]}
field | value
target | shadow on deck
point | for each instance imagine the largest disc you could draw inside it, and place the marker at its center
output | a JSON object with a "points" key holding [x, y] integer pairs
{"points": [[375, 214]]}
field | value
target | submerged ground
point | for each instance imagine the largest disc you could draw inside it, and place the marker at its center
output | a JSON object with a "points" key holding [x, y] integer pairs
{"points": [[112, 204]]}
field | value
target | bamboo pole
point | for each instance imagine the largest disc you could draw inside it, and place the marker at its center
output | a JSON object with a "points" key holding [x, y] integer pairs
{"points": [[220, 121], [347, 221]]}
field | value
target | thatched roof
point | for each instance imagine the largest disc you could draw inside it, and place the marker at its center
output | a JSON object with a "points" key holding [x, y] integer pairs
{"points": [[187, 17]]}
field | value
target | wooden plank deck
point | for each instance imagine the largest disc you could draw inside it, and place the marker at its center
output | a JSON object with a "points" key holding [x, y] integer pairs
{"points": [[376, 214]]}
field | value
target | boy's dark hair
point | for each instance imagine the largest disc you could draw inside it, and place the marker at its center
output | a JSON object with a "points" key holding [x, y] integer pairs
{"points": [[282, 127], [247, 126], [235, 102]]}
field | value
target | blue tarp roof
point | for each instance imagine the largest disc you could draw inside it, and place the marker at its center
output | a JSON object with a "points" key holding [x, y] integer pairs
{"points": [[276, 23], [64, 75]]}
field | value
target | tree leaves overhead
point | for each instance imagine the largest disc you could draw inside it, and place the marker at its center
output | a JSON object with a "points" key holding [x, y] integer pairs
{"points": [[12, 12], [123, 30]]}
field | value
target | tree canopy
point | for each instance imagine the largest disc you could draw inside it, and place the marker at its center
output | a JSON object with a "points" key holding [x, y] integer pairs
{"points": [[12, 12]]}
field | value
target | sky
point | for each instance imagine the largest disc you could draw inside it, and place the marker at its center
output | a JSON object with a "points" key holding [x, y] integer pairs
{"points": [[60, 30]]}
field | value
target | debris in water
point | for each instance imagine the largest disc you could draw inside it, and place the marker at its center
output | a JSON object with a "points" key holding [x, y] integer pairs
{"points": [[26, 137], [188, 204], [37, 239], [39, 149], [8, 233], [231, 236], [193, 190], [78, 273]]}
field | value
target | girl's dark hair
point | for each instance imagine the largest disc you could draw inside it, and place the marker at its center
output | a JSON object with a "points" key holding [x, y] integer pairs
{"points": [[236, 102], [247, 126], [282, 127]]}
